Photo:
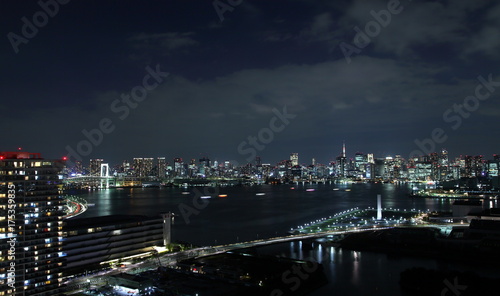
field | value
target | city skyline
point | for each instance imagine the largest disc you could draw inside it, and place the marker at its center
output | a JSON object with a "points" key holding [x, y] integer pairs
{"points": [[171, 78], [297, 156], [269, 126], [436, 166], [113, 161]]}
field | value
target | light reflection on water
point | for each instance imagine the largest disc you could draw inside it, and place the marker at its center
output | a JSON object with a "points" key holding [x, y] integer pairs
{"points": [[364, 273], [244, 214]]}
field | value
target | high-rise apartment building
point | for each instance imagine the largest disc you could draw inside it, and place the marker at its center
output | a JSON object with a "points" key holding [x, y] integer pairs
{"points": [[31, 234], [179, 166], [142, 167], [95, 167], [161, 167], [148, 166]]}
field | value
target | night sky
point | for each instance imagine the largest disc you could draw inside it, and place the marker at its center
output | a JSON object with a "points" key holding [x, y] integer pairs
{"points": [[213, 78]]}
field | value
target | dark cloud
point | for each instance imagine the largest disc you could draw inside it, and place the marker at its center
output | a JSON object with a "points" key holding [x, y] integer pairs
{"points": [[169, 41], [226, 78]]}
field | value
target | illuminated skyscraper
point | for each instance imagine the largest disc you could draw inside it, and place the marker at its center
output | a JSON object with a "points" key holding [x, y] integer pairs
{"points": [[294, 159], [95, 167], [341, 163], [469, 166], [478, 166], [31, 211], [190, 169], [143, 167], [148, 167], [179, 167], [161, 167], [204, 165], [205, 162], [443, 159], [370, 158], [137, 164], [360, 164], [359, 160]]}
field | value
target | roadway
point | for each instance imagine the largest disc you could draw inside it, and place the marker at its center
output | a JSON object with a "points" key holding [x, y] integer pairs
{"points": [[173, 258]]}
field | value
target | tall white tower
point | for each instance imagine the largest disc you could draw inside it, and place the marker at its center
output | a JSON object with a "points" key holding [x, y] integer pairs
{"points": [[379, 207], [168, 219]]}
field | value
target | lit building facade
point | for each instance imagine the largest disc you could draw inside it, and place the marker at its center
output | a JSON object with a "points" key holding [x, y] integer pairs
{"points": [[161, 167], [91, 241], [360, 165], [342, 163], [294, 159], [95, 167], [142, 167], [179, 167], [31, 213]]}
